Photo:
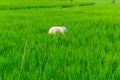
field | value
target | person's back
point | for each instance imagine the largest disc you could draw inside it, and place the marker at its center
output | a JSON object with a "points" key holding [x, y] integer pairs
{"points": [[57, 29]]}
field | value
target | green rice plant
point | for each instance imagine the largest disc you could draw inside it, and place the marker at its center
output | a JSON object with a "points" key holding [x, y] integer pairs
{"points": [[88, 51]]}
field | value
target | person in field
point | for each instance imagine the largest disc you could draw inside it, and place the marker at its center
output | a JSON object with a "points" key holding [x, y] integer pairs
{"points": [[57, 29]]}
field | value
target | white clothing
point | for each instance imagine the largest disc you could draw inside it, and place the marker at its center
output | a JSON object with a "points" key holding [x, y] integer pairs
{"points": [[56, 29]]}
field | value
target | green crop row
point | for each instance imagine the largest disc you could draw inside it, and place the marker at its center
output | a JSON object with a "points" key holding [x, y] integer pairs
{"points": [[88, 51]]}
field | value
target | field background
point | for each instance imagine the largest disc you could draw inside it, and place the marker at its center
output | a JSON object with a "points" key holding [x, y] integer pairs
{"points": [[90, 50]]}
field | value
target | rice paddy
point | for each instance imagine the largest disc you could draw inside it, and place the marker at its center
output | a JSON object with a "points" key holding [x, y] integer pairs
{"points": [[90, 49]]}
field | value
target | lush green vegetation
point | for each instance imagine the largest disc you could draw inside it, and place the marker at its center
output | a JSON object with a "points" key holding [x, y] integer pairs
{"points": [[90, 50], [59, 4]]}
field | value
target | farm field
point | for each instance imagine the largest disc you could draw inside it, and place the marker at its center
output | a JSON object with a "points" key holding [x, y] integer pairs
{"points": [[90, 49]]}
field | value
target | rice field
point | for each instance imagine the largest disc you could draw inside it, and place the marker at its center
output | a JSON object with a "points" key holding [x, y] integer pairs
{"points": [[90, 50]]}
